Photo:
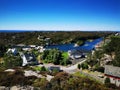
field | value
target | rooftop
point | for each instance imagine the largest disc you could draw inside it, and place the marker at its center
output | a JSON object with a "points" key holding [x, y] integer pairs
{"points": [[112, 70]]}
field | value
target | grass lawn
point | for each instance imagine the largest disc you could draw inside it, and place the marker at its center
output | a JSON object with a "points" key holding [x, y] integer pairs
{"points": [[65, 55], [79, 74]]}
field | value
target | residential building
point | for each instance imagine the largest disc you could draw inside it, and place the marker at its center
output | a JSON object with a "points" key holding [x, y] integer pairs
{"points": [[28, 59], [12, 50], [113, 73], [76, 54]]}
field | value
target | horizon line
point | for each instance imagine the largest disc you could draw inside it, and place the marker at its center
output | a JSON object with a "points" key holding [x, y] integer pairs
{"points": [[52, 30], [59, 30]]}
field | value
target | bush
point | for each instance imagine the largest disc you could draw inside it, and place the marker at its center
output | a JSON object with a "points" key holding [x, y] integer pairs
{"points": [[99, 69], [15, 78], [84, 66], [55, 56], [41, 82], [38, 68], [11, 61], [3, 49], [80, 42], [43, 68], [107, 80], [79, 66]]}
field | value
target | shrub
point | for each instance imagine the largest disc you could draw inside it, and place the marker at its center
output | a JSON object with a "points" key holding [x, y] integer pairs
{"points": [[107, 80], [79, 66], [99, 69], [41, 82], [84, 66], [37, 68], [11, 61], [15, 78], [43, 68]]}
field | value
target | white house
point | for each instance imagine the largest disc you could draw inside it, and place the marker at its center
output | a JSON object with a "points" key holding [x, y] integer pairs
{"points": [[32, 46], [38, 47], [117, 34], [28, 59], [76, 54], [12, 50], [42, 49], [21, 45], [26, 49], [113, 73]]}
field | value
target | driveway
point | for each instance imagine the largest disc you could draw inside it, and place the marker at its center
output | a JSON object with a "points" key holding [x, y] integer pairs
{"points": [[69, 69]]}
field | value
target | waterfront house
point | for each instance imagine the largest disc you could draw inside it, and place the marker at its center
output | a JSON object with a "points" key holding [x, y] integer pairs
{"points": [[28, 59], [12, 50], [113, 73], [20, 45], [26, 49], [76, 54], [33, 46]]}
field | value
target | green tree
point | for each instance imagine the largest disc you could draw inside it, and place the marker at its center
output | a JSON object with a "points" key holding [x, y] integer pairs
{"points": [[80, 42], [114, 46], [11, 61], [116, 61], [43, 68], [79, 66], [55, 56], [107, 80], [99, 68], [41, 82], [84, 66], [3, 49], [45, 53], [98, 54]]}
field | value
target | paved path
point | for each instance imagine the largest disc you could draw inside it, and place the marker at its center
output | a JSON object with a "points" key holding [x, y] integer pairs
{"points": [[73, 68], [69, 69]]}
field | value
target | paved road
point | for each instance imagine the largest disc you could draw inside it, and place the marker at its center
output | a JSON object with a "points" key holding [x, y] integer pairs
{"points": [[69, 69], [73, 68]]}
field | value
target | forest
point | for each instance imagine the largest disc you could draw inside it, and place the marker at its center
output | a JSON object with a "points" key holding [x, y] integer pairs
{"points": [[113, 48], [59, 37]]}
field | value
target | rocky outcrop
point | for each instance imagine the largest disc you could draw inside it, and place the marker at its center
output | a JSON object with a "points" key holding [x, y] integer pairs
{"points": [[17, 88]]}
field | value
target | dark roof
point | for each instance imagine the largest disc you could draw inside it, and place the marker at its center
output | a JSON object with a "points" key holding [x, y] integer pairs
{"points": [[112, 70], [30, 57], [77, 52]]}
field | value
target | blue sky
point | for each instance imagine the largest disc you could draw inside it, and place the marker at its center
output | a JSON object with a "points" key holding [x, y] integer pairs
{"points": [[59, 14]]}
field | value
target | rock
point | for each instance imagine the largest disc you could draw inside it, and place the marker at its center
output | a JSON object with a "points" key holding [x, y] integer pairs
{"points": [[2, 87], [49, 77], [17, 88], [32, 73], [9, 70], [14, 88]]}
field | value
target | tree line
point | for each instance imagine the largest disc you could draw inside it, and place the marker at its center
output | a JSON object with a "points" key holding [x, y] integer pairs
{"points": [[113, 48], [55, 56]]}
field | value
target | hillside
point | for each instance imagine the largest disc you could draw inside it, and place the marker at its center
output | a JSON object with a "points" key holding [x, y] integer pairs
{"points": [[55, 37]]}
